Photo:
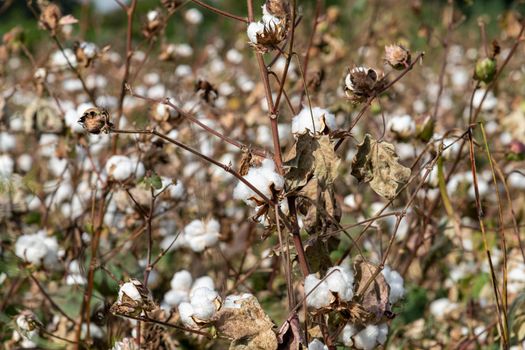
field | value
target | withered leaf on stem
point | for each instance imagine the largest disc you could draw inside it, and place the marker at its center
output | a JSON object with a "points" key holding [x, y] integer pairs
{"points": [[375, 298], [248, 326], [377, 163]]}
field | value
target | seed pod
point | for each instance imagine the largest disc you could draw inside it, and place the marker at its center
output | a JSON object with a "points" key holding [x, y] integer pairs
{"points": [[485, 70], [397, 56], [95, 120], [50, 17], [363, 82]]}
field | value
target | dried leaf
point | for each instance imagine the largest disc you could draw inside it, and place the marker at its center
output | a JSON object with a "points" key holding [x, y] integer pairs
{"points": [[377, 163], [290, 335], [317, 255], [248, 326], [375, 299]]}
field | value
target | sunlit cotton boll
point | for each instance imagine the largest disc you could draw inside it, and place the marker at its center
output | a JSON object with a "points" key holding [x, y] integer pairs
{"points": [[346, 335], [200, 235], [205, 303], [254, 29], [313, 121], [395, 281], [316, 344], [193, 16], [121, 167], [235, 301], [186, 313], [370, 336], [264, 178], [439, 308], [37, 248], [402, 126], [202, 282], [7, 142], [340, 280], [317, 293], [489, 103]]}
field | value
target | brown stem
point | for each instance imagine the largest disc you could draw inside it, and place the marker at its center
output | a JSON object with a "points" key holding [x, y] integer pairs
{"points": [[220, 12]]}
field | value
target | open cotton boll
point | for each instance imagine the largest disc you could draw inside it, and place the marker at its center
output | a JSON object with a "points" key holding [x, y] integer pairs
{"points": [[316, 344], [37, 248], [193, 16], [439, 308], [176, 297], [7, 165], [318, 293], [346, 335], [186, 313], [205, 303], [366, 339], [235, 301], [254, 29], [302, 122], [489, 103], [119, 167], [402, 125], [383, 333], [264, 178], [181, 280], [395, 281], [202, 282], [340, 280], [130, 290], [7, 142], [200, 235]]}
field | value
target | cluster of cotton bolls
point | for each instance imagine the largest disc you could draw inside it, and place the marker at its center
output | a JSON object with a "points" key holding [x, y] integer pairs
{"points": [[265, 179], [367, 338], [320, 292], [183, 286], [197, 304]]}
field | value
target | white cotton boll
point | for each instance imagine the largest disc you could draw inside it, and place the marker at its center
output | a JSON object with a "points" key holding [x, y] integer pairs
{"points": [[16, 124], [316, 344], [439, 308], [395, 281], [254, 28], [350, 201], [157, 91], [340, 280], [72, 85], [318, 293], [204, 303], [346, 335], [24, 162], [489, 103], [183, 70], [57, 166], [264, 179], [245, 83], [152, 15], [516, 277], [75, 276], [402, 126], [176, 297], [383, 333], [37, 248], [71, 119], [202, 282], [460, 77], [130, 290], [47, 144], [483, 189], [7, 142], [193, 16], [119, 167], [181, 280], [59, 60], [235, 301], [234, 56], [200, 235], [366, 339], [174, 242], [6, 166], [186, 313], [302, 122]]}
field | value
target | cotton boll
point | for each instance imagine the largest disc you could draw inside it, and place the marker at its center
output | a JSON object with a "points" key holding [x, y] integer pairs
{"points": [[7, 142], [383, 333], [366, 339], [395, 281], [489, 103], [75, 276], [130, 290], [71, 119], [302, 122], [37, 248], [264, 179], [174, 242], [181, 280], [340, 280], [24, 162], [202, 282], [119, 167], [176, 297], [439, 308], [346, 335], [193, 16], [200, 235], [254, 28], [235, 301], [316, 344], [402, 126], [6, 166], [318, 293], [205, 303], [57, 166], [234, 56], [186, 312]]}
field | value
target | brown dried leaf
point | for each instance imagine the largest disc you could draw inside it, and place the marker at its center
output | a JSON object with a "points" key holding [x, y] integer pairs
{"points": [[248, 326], [377, 163], [375, 299]]}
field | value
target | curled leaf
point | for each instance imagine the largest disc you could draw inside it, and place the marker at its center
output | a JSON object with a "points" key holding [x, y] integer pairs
{"points": [[377, 163]]}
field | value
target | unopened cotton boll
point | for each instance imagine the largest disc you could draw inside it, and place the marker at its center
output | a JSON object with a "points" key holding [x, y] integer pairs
{"points": [[316, 344], [313, 120], [366, 339], [317, 293], [340, 280], [395, 281], [264, 178], [200, 235]]}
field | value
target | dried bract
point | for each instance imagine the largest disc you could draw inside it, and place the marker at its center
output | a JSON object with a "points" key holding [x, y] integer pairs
{"points": [[362, 83], [96, 120], [397, 56]]}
